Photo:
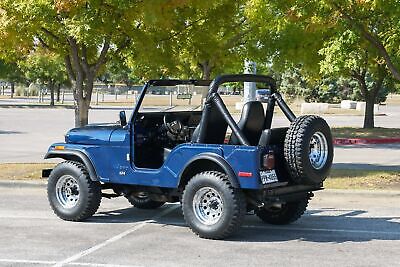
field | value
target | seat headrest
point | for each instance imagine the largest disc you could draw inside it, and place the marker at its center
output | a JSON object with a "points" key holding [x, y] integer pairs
{"points": [[253, 110]]}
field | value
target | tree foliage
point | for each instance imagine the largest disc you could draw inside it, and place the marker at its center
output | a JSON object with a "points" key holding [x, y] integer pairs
{"points": [[44, 67], [336, 38], [11, 72], [84, 33], [201, 40]]}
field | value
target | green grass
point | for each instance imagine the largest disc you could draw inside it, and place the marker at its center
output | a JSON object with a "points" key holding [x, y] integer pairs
{"points": [[350, 132], [23, 171], [363, 179]]}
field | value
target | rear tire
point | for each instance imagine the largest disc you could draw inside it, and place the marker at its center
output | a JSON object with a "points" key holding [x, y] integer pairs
{"points": [[72, 195], [142, 200], [308, 150], [287, 213], [211, 206]]}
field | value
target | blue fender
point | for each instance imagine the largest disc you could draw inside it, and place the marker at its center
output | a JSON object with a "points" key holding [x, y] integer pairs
{"points": [[196, 163], [76, 156]]}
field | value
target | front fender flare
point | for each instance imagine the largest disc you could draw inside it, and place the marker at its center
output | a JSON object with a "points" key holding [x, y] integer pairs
{"points": [[216, 159], [76, 156]]}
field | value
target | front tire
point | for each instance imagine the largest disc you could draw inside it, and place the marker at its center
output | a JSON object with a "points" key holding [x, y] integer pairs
{"points": [[287, 213], [72, 195], [211, 206]]}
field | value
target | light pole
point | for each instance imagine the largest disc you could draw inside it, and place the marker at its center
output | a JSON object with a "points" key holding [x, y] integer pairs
{"points": [[249, 93]]}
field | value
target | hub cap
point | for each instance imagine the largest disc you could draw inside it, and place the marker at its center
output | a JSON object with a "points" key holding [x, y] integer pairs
{"points": [[318, 154], [208, 205], [67, 191]]}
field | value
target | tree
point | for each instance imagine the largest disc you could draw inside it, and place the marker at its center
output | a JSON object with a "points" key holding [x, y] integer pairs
{"points": [[365, 19], [11, 73], [46, 67], [84, 33], [204, 38], [348, 55], [302, 23], [211, 38], [119, 72], [292, 83], [324, 39]]}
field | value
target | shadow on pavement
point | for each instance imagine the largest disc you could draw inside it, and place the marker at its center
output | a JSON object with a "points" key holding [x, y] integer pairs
{"points": [[314, 226], [10, 132]]}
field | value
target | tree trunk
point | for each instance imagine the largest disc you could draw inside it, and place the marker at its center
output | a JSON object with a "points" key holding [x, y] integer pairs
{"points": [[51, 87], [82, 104], [369, 112], [82, 74], [12, 89], [370, 95], [205, 70], [81, 114], [58, 92]]}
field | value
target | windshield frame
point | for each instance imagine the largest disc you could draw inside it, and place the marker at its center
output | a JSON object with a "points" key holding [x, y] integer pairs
{"points": [[166, 82]]}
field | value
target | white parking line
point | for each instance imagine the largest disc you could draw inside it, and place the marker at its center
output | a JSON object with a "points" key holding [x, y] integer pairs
{"points": [[115, 238], [27, 261], [89, 264], [100, 265]]}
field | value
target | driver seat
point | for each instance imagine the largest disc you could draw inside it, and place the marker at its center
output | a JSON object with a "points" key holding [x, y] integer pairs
{"points": [[251, 123], [213, 124]]}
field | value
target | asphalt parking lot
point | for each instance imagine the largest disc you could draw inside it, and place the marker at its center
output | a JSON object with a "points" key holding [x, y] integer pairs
{"points": [[339, 229]]}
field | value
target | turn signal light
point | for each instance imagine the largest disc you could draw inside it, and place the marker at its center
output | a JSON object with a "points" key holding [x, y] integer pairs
{"points": [[59, 147], [269, 160]]}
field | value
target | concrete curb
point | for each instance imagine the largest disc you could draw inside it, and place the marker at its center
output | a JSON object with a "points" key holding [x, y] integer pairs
{"points": [[364, 141], [23, 184]]}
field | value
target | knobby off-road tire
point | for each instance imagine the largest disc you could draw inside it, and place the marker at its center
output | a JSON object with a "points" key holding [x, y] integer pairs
{"points": [[142, 201], [72, 195], [308, 150], [211, 206], [287, 213]]}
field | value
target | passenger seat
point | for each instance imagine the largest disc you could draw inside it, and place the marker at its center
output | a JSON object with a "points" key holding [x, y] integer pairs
{"points": [[251, 123]]}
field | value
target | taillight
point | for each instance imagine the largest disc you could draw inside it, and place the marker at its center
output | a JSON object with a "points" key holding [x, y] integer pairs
{"points": [[268, 161]]}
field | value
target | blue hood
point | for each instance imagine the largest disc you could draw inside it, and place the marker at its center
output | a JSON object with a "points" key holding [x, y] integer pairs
{"points": [[93, 134]]}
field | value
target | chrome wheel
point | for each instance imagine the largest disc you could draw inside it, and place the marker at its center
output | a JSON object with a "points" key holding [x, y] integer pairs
{"points": [[318, 153], [208, 205], [67, 191]]}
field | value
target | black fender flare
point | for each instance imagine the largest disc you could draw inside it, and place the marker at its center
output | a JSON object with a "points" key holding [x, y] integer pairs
{"points": [[214, 158], [76, 156]]}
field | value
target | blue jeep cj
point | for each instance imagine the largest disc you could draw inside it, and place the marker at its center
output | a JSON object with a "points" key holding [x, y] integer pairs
{"points": [[176, 147]]}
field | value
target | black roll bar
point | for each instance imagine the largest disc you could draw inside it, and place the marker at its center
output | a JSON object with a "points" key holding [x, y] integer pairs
{"points": [[214, 97], [242, 78]]}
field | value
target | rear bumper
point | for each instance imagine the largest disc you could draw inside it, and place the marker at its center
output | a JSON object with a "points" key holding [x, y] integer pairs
{"points": [[289, 193]]}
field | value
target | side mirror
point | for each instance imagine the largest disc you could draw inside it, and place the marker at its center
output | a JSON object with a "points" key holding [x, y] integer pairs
{"points": [[122, 118]]}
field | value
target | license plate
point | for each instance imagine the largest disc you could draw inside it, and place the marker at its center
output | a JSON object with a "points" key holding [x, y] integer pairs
{"points": [[268, 177]]}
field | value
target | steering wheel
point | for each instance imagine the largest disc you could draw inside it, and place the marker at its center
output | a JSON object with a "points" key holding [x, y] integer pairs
{"points": [[174, 127]]}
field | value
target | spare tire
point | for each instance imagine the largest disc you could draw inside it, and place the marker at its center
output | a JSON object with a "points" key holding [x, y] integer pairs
{"points": [[308, 150]]}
